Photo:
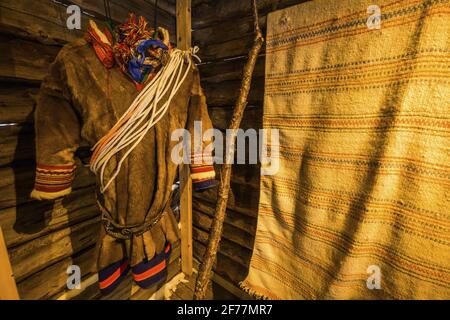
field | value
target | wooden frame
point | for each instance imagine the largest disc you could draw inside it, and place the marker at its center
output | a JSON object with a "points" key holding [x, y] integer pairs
{"points": [[183, 12], [8, 288]]}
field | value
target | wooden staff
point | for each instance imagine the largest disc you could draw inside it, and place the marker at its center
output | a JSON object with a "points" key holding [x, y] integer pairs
{"points": [[209, 257]]}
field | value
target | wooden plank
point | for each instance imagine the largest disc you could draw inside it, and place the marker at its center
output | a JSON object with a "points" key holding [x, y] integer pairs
{"points": [[185, 290], [242, 222], [90, 290], [183, 12], [216, 12], [17, 182], [33, 256], [23, 60], [53, 279], [233, 251], [231, 287], [38, 218], [8, 289], [221, 117], [17, 104], [46, 23], [17, 144], [227, 49], [227, 30], [225, 93], [121, 9], [166, 12], [243, 198], [219, 71], [224, 265], [186, 219], [243, 238]]}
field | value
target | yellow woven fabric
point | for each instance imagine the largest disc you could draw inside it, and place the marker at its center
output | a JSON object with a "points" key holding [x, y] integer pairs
{"points": [[364, 119]]}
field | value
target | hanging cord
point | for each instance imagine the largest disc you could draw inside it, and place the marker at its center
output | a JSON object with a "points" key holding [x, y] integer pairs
{"points": [[155, 18], [142, 115], [107, 10]]}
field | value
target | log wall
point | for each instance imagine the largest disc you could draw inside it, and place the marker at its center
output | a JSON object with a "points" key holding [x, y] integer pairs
{"points": [[45, 237], [223, 30]]}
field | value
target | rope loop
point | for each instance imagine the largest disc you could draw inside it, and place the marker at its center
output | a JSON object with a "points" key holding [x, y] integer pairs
{"points": [[142, 114]]}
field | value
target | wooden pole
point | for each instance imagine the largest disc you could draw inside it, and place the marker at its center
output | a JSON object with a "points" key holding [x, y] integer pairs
{"points": [[184, 25], [183, 10], [224, 187], [8, 289]]}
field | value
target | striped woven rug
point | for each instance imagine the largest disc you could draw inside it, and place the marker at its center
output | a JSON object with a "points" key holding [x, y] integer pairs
{"points": [[360, 206]]}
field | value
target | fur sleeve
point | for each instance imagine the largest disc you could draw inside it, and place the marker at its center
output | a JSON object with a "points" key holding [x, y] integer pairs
{"points": [[57, 130], [202, 169]]}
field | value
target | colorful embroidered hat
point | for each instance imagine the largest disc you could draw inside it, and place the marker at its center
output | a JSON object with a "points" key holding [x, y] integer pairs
{"points": [[139, 51]]}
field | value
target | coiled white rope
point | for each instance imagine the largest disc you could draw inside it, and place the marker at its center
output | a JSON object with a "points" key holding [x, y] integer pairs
{"points": [[142, 114]]}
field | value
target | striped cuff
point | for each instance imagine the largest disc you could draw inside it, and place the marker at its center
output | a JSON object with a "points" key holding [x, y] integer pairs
{"points": [[149, 273], [110, 277], [53, 181], [202, 172]]}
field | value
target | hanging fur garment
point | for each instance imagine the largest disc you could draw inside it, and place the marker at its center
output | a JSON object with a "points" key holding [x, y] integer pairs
{"points": [[79, 102]]}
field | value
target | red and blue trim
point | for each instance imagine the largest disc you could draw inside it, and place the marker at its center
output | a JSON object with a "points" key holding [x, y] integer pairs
{"points": [[150, 272], [53, 181], [202, 176], [110, 277]]}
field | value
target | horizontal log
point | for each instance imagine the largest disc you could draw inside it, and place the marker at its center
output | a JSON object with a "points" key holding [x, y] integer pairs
{"points": [[206, 13], [230, 249], [248, 175], [221, 117], [24, 60], [42, 22], [90, 292], [241, 237], [227, 49], [242, 222], [16, 183], [120, 10], [227, 30], [38, 218], [53, 279], [223, 266], [46, 23], [17, 144], [226, 93], [17, 104], [219, 71], [243, 199], [33, 256]]}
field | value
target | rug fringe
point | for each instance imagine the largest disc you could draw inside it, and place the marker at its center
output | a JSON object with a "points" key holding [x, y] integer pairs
{"points": [[246, 287]]}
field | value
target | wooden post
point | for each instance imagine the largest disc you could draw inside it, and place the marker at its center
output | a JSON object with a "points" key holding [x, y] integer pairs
{"points": [[186, 219], [8, 289], [215, 235], [184, 24], [183, 11]]}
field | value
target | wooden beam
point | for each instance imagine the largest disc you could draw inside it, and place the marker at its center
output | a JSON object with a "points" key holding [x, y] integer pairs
{"points": [[184, 24], [183, 11], [186, 219], [8, 289]]}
